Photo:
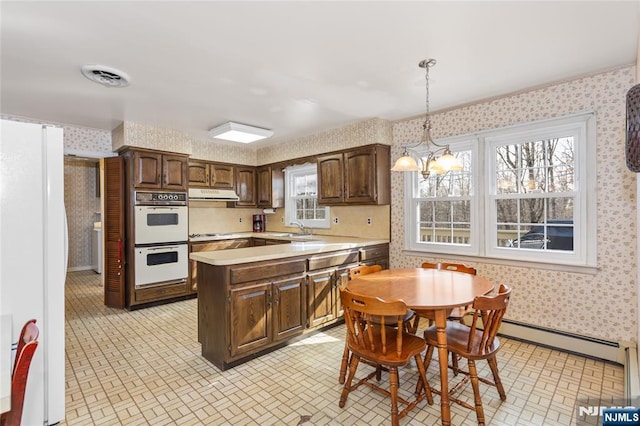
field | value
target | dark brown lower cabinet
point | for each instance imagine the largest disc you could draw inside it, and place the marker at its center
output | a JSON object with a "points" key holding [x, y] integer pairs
{"points": [[263, 313], [245, 309]]}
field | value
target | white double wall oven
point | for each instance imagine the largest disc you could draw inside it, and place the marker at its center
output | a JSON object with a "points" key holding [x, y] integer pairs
{"points": [[161, 231]]}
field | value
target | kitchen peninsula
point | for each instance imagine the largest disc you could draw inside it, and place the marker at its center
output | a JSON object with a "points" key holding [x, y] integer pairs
{"points": [[254, 299]]}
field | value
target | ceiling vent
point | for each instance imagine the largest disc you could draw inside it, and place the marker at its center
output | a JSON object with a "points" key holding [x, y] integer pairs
{"points": [[106, 76]]}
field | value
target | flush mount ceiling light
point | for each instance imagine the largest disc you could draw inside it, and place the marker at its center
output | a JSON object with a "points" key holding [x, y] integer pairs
{"points": [[236, 132], [432, 163], [107, 76]]}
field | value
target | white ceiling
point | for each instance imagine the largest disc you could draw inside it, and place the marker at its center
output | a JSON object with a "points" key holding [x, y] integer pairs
{"points": [[297, 68]]}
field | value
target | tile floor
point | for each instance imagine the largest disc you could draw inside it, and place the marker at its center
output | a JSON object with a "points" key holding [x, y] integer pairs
{"points": [[144, 368]]}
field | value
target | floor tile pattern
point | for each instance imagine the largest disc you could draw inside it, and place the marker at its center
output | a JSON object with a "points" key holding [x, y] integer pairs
{"points": [[144, 367]]}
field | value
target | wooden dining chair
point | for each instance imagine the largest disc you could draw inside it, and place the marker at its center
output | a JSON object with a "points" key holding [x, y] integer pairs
{"points": [[27, 345], [381, 344], [459, 313], [474, 344], [28, 333], [406, 323]]}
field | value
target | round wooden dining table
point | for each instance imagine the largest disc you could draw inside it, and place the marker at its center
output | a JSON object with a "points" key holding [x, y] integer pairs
{"points": [[432, 293]]}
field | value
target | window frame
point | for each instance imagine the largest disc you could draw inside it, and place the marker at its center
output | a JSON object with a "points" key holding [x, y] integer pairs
{"points": [[463, 143], [290, 173], [483, 212]]}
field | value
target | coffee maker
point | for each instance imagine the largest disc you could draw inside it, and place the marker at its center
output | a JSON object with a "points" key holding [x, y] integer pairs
{"points": [[258, 223]]}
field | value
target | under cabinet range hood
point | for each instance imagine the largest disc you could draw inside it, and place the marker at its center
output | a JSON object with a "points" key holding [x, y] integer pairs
{"points": [[211, 194]]}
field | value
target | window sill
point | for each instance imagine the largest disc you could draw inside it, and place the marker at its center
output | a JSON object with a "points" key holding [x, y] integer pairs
{"points": [[579, 269]]}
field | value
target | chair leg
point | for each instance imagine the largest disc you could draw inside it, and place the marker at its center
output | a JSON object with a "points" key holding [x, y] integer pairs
{"points": [[353, 366], [343, 365], [423, 378], [412, 328], [454, 363], [427, 361], [493, 364], [475, 383], [393, 385]]}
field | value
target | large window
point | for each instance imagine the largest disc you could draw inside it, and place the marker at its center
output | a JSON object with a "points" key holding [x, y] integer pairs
{"points": [[301, 205], [524, 194]]}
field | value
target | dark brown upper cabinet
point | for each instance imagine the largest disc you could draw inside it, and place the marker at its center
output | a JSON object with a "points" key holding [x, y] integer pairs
{"points": [[270, 186], [155, 170], [204, 174], [355, 176], [222, 176], [246, 186]]}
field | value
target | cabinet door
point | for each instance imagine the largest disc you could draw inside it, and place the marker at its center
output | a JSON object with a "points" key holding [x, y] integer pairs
{"points": [[330, 179], [360, 176], [246, 186], [174, 168], [113, 226], [250, 318], [288, 303], [342, 278], [321, 301], [271, 186], [198, 172], [148, 170], [222, 176], [264, 186]]}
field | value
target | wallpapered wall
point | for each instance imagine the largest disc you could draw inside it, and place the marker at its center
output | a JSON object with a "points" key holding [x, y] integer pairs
{"points": [[81, 203], [601, 305], [80, 190], [365, 132], [147, 136]]}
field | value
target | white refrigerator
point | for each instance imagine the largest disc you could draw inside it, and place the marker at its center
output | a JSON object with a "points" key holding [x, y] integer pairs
{"points": [[33, 257]]}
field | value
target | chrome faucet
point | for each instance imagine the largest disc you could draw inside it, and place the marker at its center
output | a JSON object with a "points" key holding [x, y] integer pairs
{"points": [[303, 228]]}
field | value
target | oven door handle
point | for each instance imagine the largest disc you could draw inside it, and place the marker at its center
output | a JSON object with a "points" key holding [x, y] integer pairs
{"points": [[163, 208], [165, 248]]}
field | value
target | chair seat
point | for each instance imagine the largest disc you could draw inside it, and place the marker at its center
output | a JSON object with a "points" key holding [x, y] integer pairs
{"points": [[458, 339], [411, 345]]}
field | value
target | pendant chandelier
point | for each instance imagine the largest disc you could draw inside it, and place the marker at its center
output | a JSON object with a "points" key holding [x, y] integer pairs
{"points": [[439, 159]]}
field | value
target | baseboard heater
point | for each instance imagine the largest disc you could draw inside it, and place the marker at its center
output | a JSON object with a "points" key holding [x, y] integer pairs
{"points": [[631, 375], [567, 342]]}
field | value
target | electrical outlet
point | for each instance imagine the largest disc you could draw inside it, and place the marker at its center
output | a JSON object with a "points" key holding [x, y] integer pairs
{"points": [[282, 219], [336, 220], [368, 221]]}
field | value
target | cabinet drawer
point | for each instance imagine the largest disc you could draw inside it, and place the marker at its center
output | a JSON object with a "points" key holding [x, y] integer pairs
{"points": [[242, 274], [161, 292], [332, 259], [221, 245], [367, 253]]}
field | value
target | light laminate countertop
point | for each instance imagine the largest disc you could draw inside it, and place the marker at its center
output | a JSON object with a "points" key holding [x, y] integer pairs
{"points": [[300, 246]]}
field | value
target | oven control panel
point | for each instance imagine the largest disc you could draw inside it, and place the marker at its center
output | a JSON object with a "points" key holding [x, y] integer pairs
{"points": [[147, 198]]}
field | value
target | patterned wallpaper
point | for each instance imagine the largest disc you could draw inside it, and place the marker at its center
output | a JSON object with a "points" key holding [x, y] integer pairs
{"points": [[146, 136], [365, 132], [601, 305], [81, 202]]}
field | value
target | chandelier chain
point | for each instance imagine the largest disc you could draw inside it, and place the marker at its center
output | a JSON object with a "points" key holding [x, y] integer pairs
{"points": [[427, 119]]}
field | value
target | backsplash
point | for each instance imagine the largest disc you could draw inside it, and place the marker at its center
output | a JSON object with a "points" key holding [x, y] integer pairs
{"points": [[601, 305], [213, 217]]}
